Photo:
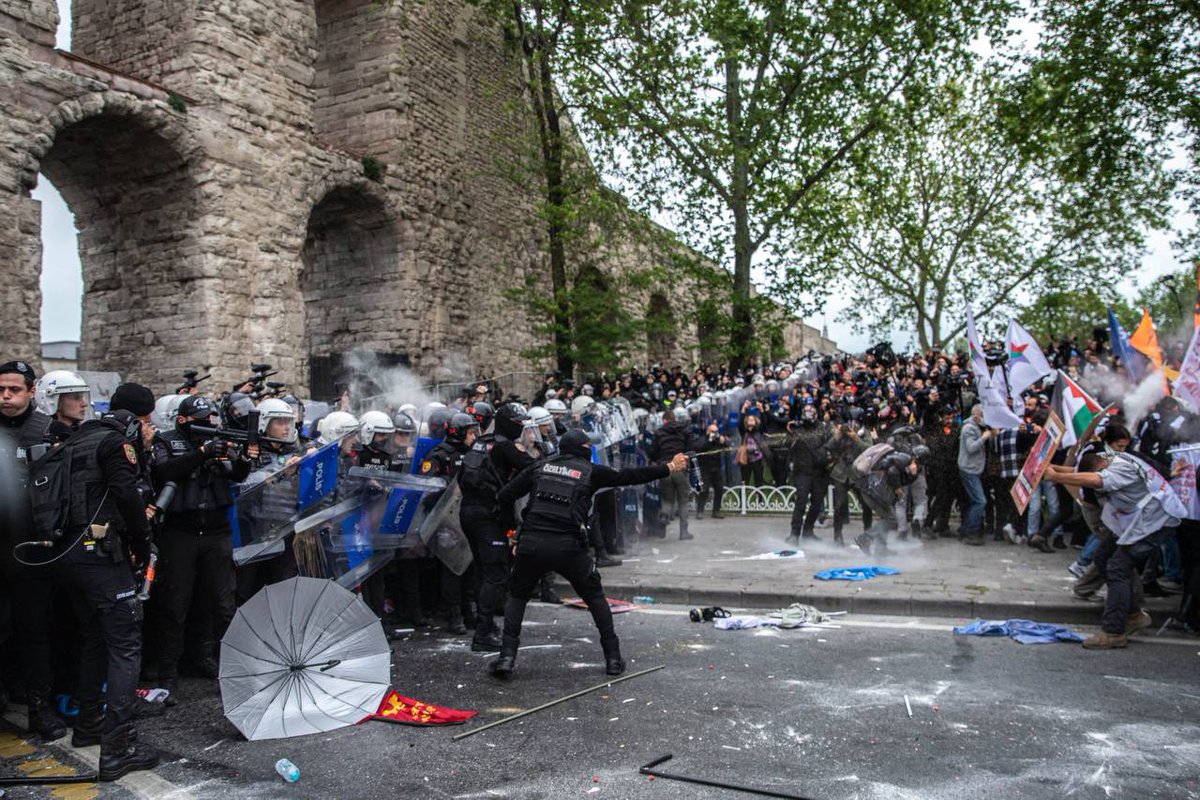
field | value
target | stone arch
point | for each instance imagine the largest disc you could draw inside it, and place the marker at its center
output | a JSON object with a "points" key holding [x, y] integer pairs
{"points": [[660, 329], [124, 166], [353, 284]]}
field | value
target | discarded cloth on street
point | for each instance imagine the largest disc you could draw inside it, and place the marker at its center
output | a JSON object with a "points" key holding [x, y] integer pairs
{"points": [[797, 615], [1023, 630], [854, 573], [615, 606], [402, 710], [774, 555]]}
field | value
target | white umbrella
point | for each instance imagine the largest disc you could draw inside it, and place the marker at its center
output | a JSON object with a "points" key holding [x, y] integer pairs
{"points": [[303, 656]]}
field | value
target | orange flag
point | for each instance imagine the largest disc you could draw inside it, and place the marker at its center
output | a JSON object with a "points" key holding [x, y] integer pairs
{"points": [[1145, 340]]}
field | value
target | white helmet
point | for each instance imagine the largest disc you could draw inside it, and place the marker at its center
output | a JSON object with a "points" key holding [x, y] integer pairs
{"points": [[336, 425], [374, 422], [540, 416], [274, 408], [163, 416], [53, 385], [581, 404], [410, 409], [557, 408]]}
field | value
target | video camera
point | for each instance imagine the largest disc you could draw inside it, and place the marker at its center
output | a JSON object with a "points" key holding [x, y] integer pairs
{"points": [[257, 381]]}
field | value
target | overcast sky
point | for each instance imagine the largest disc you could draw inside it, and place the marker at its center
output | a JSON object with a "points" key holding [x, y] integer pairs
{"points": [[62, 281]]}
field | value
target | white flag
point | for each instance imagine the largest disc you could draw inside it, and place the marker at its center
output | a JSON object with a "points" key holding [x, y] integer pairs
{"points": [[1187, 385], [996, 413], [1026, 364], [978, 362]]}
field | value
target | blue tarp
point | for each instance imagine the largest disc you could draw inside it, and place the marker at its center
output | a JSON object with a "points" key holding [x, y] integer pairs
{"points": [[855, 573], [1023, 630]]}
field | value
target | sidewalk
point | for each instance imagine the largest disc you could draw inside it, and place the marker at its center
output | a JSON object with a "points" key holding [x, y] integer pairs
{"points": [[943, 578]]}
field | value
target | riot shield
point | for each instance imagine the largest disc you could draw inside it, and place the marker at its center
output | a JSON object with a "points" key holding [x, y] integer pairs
{"points": [[443, 534]]}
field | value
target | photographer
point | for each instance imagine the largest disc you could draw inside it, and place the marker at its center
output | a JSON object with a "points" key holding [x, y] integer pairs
{"points": [[712, 447]]}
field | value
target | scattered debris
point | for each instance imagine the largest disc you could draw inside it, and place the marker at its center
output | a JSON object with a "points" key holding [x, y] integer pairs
{"points": [[854, 573], [908, 706]]}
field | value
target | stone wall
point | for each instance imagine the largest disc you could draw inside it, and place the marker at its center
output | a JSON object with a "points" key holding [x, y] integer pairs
{"points": [[213, 156]]}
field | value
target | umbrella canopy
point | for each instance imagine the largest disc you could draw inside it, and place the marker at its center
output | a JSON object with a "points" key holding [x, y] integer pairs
{"points": [[303, 656]]}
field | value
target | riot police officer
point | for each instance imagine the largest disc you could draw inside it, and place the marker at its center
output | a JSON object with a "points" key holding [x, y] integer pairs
{"points": [[552, 537], [195, 546], [104, 523], [444, 461], [66, 398], [375, 445], [23, 438], [490, 463]]}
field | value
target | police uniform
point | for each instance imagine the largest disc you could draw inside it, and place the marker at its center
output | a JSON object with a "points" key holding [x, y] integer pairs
{"points": [[195, 545], [484, 528], [23, 439], [103, 493], [444, 461], [552, 539], [255, 575]]}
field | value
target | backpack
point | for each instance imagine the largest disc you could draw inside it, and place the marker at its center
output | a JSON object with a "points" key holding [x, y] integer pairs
{"points": [[866, 461], [478, 474], [49, 486]]}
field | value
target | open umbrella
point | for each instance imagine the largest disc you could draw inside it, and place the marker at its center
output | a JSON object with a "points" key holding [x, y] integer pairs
{"points": [[302, 656]]}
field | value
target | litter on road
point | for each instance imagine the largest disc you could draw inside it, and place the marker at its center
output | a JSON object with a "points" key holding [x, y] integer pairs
{"points": [[854, 573], [1022, 630]]}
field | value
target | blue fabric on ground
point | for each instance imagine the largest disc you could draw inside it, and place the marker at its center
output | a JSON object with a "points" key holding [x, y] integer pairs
{"points": [[855, 573], [1023, 630]]}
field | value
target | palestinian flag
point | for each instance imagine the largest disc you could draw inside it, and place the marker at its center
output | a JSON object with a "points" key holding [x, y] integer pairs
{"points": [[1075, 406], [402, 710]]}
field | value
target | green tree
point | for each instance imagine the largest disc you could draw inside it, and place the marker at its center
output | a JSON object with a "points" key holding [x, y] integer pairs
{"points": [[728, 114], [944, 210]]}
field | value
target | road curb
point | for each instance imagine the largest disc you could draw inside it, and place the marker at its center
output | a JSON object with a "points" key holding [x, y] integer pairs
{"points": [[1076, 613]]}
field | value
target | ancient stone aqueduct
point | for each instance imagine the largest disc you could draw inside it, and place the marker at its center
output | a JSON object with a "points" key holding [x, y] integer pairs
{"points": [[212, 153]]}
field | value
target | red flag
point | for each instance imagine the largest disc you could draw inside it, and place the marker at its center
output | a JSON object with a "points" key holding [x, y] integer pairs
{"points": [[402, 710]]}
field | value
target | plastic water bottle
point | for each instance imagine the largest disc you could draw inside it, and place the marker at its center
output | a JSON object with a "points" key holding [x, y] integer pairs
{"points": [[287, 770]]}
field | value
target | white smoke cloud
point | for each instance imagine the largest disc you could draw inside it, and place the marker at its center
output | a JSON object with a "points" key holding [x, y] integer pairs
{"points": [[377, 386]]}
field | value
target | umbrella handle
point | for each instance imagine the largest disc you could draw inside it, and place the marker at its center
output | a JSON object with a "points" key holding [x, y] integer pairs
{"points": [[328, 665]]}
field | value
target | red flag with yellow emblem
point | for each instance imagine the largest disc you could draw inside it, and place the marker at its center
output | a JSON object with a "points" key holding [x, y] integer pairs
{"points": [[402, 710]]}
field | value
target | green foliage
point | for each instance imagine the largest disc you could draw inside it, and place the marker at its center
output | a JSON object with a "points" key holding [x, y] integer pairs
{"points": [[943, 210], [1054, 316], [177, 103], [372, 169], [729, 116]]}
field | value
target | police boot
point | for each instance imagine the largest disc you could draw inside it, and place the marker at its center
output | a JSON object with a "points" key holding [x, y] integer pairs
{"points": [[613, 663], [485, 639], [603, 559], [503, 666], [42, 718], [546, 592], [119, 755], [89, 726]]}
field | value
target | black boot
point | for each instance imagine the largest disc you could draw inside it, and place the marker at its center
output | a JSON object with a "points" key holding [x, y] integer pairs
{"points": [[603, 559], [485, 641], [455, 623], [171, 684], [120, 756], [42, 718], [503, 666], [613, 663], [89, 726], [546, 592]]}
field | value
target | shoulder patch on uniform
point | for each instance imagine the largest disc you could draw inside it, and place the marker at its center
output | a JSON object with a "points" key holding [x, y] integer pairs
{"points": [[130, 453], [426, 465]]}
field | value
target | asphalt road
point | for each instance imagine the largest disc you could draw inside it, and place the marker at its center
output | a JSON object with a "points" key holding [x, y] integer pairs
{"points": [[815, 713]]}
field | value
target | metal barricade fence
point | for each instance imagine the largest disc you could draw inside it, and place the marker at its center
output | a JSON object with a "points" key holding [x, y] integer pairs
{"points": [[744, 499]]}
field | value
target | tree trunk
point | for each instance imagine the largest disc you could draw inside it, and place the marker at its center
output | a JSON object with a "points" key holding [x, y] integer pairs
{"points": [[742, 335]]}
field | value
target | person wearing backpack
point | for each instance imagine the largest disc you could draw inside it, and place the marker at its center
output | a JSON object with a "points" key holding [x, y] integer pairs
{"points": [[883, 474], [99, 524], [490, 463]]}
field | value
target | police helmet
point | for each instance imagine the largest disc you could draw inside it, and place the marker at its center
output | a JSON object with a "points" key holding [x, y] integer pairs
{"points": [[53, 385], [459, 424], [297, 406], [540, 416], [437, 421], [576, 442], [372, 423], [235, 410], [581, 404], [510, 420], [483, 412], [404, 423], [408, 408], [557, 408], [274, 408], [336, 425], [163, 416]]}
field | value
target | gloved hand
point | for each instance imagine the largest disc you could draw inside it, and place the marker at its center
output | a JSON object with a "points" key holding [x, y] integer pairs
{"points": [[141, 552], [215, 448]]}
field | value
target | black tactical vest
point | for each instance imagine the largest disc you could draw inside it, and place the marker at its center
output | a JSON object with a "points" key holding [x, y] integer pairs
{"points": [[87, 501], [560, 497], [206, 489]]}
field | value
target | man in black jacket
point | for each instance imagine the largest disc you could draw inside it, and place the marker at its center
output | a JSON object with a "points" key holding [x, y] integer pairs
{"points": [[553, 537], [810, 472], [673, 438]]}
